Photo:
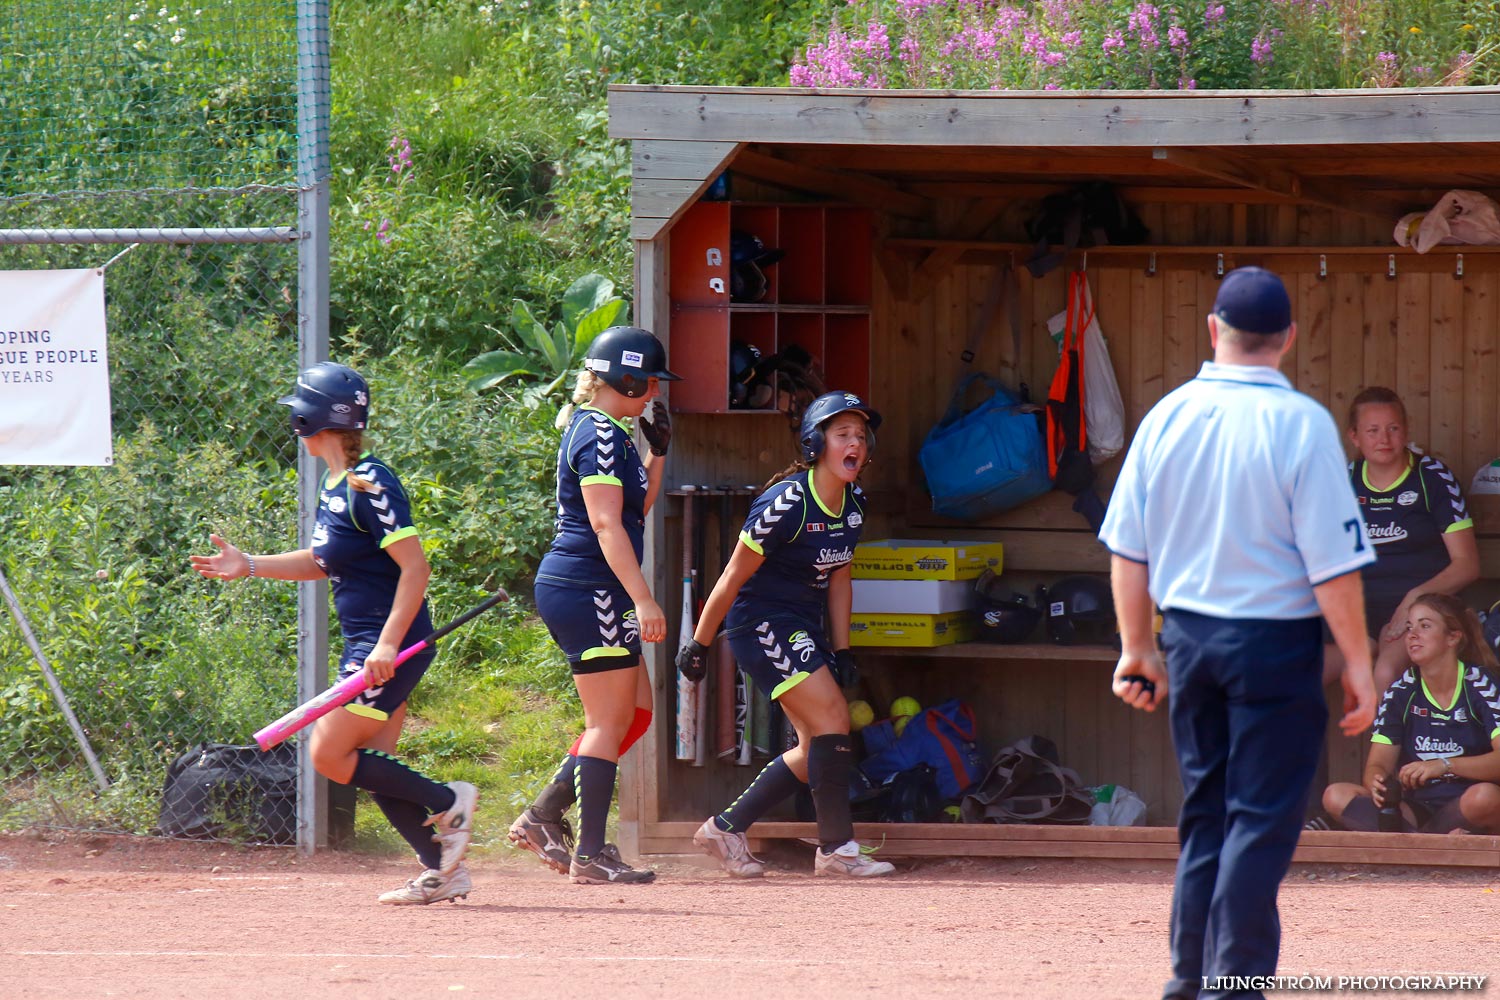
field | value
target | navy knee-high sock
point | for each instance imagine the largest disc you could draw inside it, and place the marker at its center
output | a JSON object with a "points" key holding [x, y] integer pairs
{"points": [[830, 758], [378, 772], [596, 789], [560, 793], [408, 819], [774, 783]]}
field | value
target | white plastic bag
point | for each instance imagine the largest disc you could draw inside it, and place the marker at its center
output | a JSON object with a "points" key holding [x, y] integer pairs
{"points": [[1122, 808], [1458, 217], [1103, 409]]}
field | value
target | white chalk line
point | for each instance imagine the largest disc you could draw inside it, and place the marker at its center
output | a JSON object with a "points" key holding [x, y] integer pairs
{"points": [[800, 960]]}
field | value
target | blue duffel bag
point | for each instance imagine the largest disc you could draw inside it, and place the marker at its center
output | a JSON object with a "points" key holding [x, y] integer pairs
{"points": [[987, 460]]}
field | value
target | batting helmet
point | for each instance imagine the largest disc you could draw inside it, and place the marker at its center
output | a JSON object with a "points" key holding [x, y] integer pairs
{"points": [[824, 409], [1080, 609], [627, 358], [1005, 615], [328, 397]]}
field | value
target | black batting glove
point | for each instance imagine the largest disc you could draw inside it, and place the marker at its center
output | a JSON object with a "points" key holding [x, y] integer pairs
{"points": [[845, 670], [658, 430], [690, 660]]}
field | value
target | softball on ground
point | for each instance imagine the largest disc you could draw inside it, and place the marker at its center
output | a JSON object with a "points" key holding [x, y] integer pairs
{"points": [[860, 715]]}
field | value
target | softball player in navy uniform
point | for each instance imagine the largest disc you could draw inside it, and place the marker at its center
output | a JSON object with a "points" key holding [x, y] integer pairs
{"points": [[1417, 520], [790, 567], [591, 593], [1437, 732], [364, 542], [1233, 514]]}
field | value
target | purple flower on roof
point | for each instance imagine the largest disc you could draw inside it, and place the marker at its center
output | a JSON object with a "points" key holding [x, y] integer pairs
{"points": [[1142, 24], [1185, 84]]}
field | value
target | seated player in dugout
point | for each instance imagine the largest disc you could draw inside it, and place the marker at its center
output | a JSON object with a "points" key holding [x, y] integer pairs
{"points": [[1436, 745], [1418, 522]]}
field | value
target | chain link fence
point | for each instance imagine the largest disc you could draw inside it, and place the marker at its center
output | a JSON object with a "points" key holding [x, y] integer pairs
{"points": [[160, 142]]}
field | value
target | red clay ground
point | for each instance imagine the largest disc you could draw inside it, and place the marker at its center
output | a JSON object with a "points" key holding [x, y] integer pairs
{"points": [[106, 917]]}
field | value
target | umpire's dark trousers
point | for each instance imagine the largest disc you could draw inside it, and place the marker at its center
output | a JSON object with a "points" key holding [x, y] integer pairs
{"points": [[1247, 713]]}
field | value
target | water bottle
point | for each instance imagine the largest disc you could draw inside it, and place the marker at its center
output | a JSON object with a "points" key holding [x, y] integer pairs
{"points": [[1389, 820]]}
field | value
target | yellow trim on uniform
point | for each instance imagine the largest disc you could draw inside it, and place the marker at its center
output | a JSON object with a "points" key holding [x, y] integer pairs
{"points": [[598, 651], [1364, 473], [813, 489], [751, 543], [789, 683], [328, 483], [365, 711], [1467, 522], [618, 423], [1458, 690], [397, 535], [600, 481], [1383, 741]]}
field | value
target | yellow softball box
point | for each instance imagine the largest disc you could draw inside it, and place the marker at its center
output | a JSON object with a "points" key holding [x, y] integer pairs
{"points": [[911, 630], [925, 559]]}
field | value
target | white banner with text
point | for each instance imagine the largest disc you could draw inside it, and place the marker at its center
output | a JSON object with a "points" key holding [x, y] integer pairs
{"points": [[54, 369]]}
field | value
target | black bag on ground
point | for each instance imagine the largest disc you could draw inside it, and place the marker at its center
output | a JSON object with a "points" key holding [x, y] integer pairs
{"points": [[1026, 784], [217, 790]]}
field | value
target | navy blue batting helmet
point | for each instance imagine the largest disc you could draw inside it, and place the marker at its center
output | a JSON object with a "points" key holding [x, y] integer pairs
{"points": [[824, 409], [627, 358], [328, 397]]}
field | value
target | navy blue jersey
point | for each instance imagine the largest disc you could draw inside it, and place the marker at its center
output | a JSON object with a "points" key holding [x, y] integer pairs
{"points": [[596, 448], [1406, 522], [1409, 718], [803, 540], [349, 539]]}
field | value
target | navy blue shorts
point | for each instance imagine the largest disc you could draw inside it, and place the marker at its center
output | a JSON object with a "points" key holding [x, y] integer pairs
{"points": [[596, 628], [779, 651], [381, 702]]}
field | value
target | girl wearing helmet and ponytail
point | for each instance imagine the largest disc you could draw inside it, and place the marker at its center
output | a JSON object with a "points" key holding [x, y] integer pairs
{"points": [[591, 593], [364, 542], [790, 568]]}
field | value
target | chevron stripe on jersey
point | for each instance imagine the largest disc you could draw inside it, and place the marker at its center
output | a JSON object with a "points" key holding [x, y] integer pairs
{"points": [[783, 504], [605, 452], [773, 652], [604, 614], [595, 451]]}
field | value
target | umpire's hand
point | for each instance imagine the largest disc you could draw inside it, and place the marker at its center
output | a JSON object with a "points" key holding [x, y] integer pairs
{"points": [[1140, 680]]}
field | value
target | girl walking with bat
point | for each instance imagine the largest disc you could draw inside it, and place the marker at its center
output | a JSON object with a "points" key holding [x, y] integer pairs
{"points": [[790, 567], [365, 543], [591, 593]]}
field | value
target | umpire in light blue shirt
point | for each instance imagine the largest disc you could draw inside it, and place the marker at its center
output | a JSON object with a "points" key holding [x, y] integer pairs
{"points": [[1234, 514]]}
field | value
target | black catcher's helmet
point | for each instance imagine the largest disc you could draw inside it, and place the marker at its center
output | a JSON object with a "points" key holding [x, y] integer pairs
{"points": [[626, 358], [328, 397], [1080, 610], [749, 377], [824, 409]]}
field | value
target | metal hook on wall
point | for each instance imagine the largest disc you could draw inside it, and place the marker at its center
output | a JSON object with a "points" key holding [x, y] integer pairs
{"points": [[1390, 266], [1151, 265], [1322, 266], [1458, 266], [1219, 267]]}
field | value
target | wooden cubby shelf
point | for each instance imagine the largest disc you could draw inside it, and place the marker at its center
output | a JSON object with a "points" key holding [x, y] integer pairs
{"points": [[817, 296]]}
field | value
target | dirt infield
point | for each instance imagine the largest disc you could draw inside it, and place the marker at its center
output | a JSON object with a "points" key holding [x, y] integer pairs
{"points": [[105, 917]]}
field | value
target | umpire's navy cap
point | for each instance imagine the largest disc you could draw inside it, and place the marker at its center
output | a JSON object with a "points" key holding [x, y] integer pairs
{"points": [[1253, 300]]}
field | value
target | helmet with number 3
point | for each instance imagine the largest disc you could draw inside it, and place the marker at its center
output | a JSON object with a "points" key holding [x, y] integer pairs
{"points": [[328, 396]]}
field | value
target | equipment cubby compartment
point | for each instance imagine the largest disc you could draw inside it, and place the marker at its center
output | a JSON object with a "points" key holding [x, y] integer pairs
{"points": [[817, 296]]}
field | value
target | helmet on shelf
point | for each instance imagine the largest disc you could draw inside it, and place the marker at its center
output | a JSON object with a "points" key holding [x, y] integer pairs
{"points": [[1080, 610], [1005, 616], [747, 256]]}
